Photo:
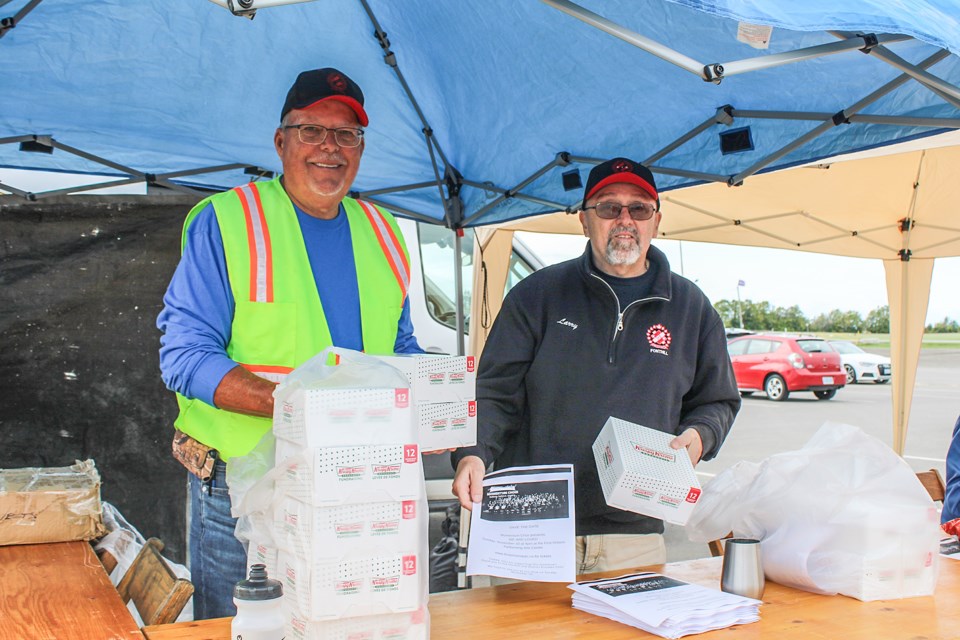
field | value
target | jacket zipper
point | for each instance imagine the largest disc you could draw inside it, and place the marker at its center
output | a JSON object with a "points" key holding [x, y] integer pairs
{"points": [[620, 313]]}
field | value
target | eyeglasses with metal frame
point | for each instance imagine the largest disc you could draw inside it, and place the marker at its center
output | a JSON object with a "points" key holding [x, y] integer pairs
{"points": [[611, 210], [316, 134]]}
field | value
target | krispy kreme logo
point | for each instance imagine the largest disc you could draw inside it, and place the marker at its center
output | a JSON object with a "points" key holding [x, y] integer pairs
{"points": [[653, 453]]}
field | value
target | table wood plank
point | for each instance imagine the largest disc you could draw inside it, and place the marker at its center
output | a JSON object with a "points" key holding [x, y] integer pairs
{"points": [[60, 591], [535, 611]]}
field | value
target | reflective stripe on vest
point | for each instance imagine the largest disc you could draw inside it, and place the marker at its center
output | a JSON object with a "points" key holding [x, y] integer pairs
{"points": [[258, 238], [391, 248], [268, 372], [261, 256]]}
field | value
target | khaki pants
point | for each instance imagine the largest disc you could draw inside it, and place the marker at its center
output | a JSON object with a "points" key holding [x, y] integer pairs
{"points": [[610, 552]]}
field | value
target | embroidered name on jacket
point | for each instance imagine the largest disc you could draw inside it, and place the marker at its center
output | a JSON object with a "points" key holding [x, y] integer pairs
{"points": [[567, 323], [659, 338]]}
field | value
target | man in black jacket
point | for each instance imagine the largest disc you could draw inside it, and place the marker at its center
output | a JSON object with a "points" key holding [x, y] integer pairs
{"points": [[612, 333]]}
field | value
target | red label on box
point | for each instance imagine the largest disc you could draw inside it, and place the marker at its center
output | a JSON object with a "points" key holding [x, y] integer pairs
{"points": [[470, 364], [401, 398], [694, 495], [409, 509], [472, 408], [410, 454], [409, 565]]}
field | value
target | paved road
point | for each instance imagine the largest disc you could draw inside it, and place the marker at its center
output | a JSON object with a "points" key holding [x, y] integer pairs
{"points": [[763, 427]]}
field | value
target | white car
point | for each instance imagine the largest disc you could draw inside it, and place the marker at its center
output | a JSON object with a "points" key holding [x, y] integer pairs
{"points": [[860, 365]]}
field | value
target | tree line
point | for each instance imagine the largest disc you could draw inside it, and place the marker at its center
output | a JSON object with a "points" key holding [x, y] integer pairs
{"points": [[762, 316]]}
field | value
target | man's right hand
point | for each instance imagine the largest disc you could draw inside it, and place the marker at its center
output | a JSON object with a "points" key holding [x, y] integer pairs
{"points": [[468, 481]]}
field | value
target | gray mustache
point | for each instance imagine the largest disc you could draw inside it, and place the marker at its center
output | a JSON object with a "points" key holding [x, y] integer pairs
{"points": [[616, 230]]}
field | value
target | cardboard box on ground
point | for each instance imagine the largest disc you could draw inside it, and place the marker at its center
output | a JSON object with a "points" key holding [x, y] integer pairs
{"points": [[50, 504]]}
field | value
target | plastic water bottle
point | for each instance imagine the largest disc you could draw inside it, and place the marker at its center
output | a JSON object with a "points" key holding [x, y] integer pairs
{"points": [[259, 602]]}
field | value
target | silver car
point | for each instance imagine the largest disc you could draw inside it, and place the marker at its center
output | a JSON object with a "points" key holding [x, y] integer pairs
{"points": [[860, 365]]}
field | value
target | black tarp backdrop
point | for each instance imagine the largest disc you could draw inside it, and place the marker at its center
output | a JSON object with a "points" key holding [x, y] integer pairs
{"points": [[81, 284]]}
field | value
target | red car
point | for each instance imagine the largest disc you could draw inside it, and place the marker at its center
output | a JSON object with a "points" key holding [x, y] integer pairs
{"points": [[779, 365]]}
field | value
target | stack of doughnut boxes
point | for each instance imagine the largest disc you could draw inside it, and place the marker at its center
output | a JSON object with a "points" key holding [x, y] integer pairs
{"points": [[349, 514]]}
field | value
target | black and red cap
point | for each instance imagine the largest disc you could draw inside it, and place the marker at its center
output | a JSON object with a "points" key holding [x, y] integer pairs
{"points": [[620, 170], [328, 83]]}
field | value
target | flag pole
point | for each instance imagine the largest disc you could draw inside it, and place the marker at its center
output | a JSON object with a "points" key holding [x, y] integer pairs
{"points": [[740, 283]]}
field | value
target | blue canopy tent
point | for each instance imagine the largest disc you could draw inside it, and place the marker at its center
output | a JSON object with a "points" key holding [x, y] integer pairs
{"points": [[480, 113], [478, 110]]}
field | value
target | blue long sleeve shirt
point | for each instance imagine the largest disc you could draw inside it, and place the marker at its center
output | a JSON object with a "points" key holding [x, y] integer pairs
{"points": [[198, 305]]}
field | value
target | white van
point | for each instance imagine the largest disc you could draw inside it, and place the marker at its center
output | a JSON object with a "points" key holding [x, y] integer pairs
{"points": [[434, 314], [432, 293]]}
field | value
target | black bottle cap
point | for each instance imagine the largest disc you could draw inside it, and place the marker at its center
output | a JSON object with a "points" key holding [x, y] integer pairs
{"points": [[258, 586]]}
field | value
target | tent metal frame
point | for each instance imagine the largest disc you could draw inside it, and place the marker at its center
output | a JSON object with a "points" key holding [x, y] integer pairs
{"points": [[8, 23], [449, 182]]}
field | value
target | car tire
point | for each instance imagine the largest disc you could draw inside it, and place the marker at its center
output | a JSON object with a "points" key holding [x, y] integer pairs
{"points": [[851, 374], [825, 395], [776, 388], [882, 381]]}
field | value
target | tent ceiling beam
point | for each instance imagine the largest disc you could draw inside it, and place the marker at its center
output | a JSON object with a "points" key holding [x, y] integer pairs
{"points": [[927, 247], [667, 171], [851, 42], [627, 35], [942, 88], [561, 160], [6, 24], [398, 189], [390, 59], [749, 225], [937, 123], [723, 115], [16, 139], [716, 71], [452, 204], [823, 128], [133, 176], [17, 192], [486, 186], [695, 175]]}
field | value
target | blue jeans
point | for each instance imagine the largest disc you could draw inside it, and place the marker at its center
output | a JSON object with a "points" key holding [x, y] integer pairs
{"points": [[217, 559]]}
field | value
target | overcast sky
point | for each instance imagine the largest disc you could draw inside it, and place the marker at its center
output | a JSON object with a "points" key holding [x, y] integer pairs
{"points": [[817, 283]]}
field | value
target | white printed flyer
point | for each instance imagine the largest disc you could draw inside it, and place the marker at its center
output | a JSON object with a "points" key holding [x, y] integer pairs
{"points": [[524, 526]]}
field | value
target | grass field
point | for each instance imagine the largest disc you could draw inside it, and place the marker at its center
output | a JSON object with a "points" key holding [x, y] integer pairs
{"points": [[882, 340]]}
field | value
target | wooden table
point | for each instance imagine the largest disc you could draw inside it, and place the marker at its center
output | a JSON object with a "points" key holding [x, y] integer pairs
{"points": [[534, 611], [59, 591]]}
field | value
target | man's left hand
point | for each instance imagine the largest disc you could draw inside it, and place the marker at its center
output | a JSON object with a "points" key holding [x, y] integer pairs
{"points": [[689, 440]]}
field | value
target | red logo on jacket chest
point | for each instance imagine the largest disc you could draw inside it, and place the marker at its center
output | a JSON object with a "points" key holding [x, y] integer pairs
{"points": [[659, 337]]}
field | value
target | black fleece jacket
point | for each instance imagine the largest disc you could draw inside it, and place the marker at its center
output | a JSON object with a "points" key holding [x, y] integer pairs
{"points": [[562, 357]]}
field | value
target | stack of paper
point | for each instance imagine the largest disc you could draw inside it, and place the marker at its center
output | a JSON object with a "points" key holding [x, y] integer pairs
{"points": [[950, 547], [663, 606]]}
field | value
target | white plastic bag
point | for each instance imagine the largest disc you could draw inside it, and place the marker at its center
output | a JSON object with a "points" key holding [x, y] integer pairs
{"points": [[336, 368], [843, 514], [124, 542], [252, 478], [248, 477]]}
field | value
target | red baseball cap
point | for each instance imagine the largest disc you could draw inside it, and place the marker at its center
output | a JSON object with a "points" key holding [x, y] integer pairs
{"points": [[620, 170], [328, 83]]}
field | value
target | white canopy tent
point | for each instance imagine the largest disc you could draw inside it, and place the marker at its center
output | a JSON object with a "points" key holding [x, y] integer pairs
{"points": [[902, 208]]}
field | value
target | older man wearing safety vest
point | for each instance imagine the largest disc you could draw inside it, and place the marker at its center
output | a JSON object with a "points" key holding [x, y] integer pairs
{"points": [[271, 274]]}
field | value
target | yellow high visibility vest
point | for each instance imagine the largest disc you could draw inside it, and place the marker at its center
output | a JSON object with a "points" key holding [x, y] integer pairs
{"points": [[279, 321]]}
